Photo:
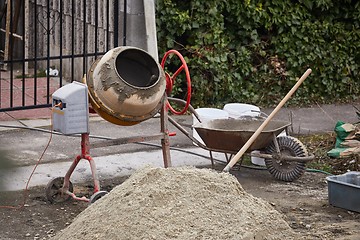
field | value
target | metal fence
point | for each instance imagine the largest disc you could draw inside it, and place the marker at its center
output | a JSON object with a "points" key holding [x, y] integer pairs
{"points": [[47, 42]]}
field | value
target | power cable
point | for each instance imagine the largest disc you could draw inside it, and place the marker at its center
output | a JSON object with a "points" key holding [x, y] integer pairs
{"points": [[25, 192]]}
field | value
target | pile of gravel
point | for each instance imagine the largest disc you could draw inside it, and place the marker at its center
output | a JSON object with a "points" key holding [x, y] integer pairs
{"points": [[179, 203]]}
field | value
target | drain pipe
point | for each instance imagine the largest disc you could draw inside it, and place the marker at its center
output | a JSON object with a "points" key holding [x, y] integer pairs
{"points": [[150, 28]]}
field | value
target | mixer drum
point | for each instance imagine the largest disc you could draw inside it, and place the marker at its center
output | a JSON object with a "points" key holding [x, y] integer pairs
{"points": [[126, 86]]}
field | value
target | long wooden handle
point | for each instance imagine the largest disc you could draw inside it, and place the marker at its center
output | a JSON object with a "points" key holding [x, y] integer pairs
{"points": [[236, 158]]}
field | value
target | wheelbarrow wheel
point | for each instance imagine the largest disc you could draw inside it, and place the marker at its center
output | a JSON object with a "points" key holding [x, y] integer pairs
{"points": [[54, 192], [287, 171]]}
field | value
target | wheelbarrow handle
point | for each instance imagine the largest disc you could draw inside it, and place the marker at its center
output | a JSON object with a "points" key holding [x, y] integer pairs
{"points": [[236, 158]]}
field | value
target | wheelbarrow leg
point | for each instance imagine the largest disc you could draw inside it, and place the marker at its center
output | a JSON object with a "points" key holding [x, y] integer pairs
{"points": [[276, 144], [228, 157], [212, 160], [239, 163]]}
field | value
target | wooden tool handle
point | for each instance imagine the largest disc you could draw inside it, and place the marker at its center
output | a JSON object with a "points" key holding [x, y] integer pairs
{"points": [[236, 158]]}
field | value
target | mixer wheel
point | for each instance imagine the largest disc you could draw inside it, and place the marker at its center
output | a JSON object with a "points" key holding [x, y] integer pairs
{"points": [[96, 196], [54, 192], [287, 171]]}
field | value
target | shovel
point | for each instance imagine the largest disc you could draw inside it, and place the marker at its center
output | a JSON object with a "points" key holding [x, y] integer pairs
{"points": [[241, 152]]}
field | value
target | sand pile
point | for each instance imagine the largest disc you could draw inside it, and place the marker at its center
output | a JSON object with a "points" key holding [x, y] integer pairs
{"points": [[179, 203]]}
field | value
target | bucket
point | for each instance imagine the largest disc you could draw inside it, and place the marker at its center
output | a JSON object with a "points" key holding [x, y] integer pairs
{"points": [[256, 160], [239, 110], [261, 161], [207, 114]]}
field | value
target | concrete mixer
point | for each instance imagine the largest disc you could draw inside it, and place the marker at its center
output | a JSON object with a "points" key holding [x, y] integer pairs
{"points": [[126, 86]]}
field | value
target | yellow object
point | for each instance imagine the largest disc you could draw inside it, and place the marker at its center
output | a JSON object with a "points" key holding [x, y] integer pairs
{"points": [[57, 111]]}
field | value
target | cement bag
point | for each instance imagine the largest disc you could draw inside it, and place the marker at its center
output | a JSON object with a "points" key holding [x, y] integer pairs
{"points": [[347, 140]]}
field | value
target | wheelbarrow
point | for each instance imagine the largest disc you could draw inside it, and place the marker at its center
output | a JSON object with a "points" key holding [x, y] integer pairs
{"points": [[285, 156]]}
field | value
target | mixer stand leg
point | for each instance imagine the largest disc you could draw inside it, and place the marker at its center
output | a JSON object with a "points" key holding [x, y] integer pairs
{"points": [[85, 154], [165, 143]]}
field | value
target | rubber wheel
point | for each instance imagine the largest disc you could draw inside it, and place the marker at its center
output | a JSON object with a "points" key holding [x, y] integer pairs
{"points": [[96, 196], [287, 171], [54, 193]]}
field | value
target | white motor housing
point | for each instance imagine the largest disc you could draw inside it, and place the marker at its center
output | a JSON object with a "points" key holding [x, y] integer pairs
{"points": [[71, 109]]}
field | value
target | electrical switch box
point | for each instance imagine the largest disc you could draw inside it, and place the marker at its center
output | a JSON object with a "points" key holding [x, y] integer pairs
{"points": [[71, 109]]}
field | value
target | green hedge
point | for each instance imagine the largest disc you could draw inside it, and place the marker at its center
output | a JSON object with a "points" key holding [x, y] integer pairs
{"points": [[253, 51]]}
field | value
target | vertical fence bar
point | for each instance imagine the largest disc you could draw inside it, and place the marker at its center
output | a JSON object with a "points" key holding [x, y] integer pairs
{"points": [[85, 38], [35, 51], [48, 31], [96, 27], [116, 23], [107, 25], [11, 42], [1, 66], [23, 53], [61, 43], [72, 38], [124, 22]]}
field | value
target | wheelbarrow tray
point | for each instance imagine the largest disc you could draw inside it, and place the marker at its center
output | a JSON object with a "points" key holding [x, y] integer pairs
{"points": [[231, 134]]}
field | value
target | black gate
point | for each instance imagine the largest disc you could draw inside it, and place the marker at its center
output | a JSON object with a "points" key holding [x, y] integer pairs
{"points": [[45, 43]]}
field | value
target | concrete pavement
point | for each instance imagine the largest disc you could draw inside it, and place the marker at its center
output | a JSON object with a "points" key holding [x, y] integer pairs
{"points": [[24, 146]]}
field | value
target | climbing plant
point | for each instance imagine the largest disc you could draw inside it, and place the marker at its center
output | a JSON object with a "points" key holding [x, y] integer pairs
{"points": [[253, 51]]}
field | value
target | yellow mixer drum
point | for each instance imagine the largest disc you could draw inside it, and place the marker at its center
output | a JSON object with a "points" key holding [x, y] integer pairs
{"points": [[126, 86]]}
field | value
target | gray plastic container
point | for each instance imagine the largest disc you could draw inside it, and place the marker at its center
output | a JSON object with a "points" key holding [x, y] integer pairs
{"points": [[344, 191]]}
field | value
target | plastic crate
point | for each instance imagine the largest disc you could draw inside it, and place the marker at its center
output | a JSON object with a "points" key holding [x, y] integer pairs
{"points": [[344, 191]]}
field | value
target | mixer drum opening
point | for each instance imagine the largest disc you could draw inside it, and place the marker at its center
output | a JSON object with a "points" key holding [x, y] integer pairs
{"points": [[137, 68], [126, 86]]}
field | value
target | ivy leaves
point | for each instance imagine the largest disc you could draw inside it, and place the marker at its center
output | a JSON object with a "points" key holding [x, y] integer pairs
{"points": [[253, 51]]}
